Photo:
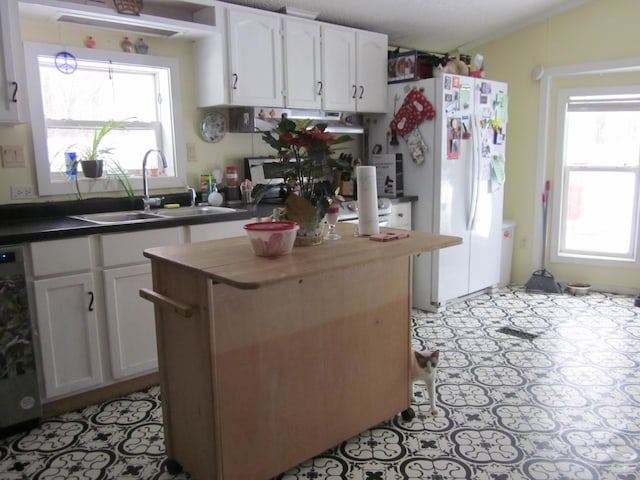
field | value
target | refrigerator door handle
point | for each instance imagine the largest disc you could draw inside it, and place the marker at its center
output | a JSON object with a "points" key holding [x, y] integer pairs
{"points": [[475, 170]]}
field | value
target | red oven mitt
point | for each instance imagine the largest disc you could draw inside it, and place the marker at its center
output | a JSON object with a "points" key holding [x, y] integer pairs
{"points": [[414, 110]]}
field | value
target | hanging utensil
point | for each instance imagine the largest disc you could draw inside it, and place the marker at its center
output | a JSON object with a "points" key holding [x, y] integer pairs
{"points": [[394, 136]]}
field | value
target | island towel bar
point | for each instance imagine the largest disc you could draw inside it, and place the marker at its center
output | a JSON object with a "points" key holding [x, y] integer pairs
{"points": [[162, 300]]}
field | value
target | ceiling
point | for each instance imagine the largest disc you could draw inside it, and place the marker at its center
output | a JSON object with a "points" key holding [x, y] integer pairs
{"points": [[437, 26]]}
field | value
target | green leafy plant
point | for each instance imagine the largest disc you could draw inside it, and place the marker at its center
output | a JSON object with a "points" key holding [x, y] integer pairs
{"points": [[310, 174], [93, 151]]}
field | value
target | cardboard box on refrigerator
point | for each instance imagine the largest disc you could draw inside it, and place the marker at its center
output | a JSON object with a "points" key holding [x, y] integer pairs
{"points": [[389, 177]]}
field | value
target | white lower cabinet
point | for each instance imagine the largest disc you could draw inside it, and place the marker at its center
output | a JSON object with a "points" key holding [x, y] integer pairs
{"points": [[131, 324], [94, 328], [217, 231], [130, 319], [400, 215], [66, 309]]}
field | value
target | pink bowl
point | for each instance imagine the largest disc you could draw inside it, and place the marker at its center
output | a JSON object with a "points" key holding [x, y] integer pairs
{"points": [[271, 239]]}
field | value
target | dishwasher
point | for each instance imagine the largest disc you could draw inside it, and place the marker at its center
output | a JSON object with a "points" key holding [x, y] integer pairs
{"points": [[19, 394]]}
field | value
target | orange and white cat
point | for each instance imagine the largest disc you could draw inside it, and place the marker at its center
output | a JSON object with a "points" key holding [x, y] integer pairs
{"points": [[423, 369]]}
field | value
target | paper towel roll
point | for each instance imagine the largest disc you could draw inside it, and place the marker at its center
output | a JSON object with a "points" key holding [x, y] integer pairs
{"points": [[367, 201]]}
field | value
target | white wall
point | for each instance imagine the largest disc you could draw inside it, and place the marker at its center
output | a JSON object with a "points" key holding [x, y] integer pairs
{"points": [[602, 30]]}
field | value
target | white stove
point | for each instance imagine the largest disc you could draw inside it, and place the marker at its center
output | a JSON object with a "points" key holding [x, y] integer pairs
{"points": [[349, 211]]}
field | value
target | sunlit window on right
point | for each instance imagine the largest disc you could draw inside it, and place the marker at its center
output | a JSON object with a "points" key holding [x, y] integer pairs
{"points": [[596, 211]]}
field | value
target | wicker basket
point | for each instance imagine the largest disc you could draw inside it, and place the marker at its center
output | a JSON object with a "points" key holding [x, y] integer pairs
{"points": [[130, 7]]}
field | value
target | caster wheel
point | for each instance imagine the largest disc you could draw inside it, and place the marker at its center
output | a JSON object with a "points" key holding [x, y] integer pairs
{"points": [[173, 467], [408, 414]]}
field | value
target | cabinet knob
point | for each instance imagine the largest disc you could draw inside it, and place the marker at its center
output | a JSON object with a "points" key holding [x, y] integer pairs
{"points": [[319, 88], [235, 81], [14, 97], [355, 91], [401, 214], [361, 92]]}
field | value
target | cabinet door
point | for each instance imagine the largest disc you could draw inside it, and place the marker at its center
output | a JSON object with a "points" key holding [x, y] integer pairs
{"points": [[302, 64], [371, 72], [119, 249], [216, 231], [68, 332], [339, 69], [400, 216], [255, 58], [130, 321], [12, 86]]}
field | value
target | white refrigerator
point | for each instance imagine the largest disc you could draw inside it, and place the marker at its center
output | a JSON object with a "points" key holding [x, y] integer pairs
{"points": [[454, 163]]}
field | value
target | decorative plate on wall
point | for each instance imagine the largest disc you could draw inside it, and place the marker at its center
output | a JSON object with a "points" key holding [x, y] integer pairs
{"points": [[213, 127]]}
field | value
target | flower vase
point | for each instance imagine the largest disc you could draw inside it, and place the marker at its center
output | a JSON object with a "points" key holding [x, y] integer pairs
{"points": [[309, 234]]}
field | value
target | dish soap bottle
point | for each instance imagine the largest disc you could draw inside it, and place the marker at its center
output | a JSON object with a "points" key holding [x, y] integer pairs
{"points": [[215, 198]]}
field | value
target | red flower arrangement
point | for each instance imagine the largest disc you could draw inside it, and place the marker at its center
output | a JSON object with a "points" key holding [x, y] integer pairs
{"points": [[311, 176]]}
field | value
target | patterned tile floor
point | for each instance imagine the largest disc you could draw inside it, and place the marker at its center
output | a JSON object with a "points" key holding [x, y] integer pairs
{"points": [[559, 401]]}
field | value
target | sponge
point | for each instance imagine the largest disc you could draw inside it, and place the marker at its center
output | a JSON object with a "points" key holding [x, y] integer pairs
{"points": [[172, 205]]}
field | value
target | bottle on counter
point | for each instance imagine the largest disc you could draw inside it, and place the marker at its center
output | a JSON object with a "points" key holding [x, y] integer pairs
{"points": [[232, 176], [206, 185], [215, 198]]}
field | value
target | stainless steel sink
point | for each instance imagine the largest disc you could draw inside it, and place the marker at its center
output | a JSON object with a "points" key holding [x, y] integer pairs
{"points": [[194, 211], [138, 216], [109, 218]]}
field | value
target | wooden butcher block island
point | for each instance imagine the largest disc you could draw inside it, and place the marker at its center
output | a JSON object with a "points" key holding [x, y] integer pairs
{"points": [[265, 363]]}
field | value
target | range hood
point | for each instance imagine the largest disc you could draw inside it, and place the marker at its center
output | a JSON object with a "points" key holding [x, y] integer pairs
{"points": [[103, 17], [264, 119]]}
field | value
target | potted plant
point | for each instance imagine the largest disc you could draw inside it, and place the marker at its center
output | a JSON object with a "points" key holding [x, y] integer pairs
{"points": [[92, 156], [312, 176]]}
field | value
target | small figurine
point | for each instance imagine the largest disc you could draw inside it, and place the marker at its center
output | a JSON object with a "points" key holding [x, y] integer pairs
{"points": [[141, 47], [90, 42], [126, 45]]}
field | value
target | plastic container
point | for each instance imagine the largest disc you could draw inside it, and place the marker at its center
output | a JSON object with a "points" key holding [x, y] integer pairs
{"points": [[272, 239], [578, 288]]}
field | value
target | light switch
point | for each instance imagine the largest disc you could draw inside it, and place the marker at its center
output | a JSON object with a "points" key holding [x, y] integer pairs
{"points": [[12, 156], [191, 152]]}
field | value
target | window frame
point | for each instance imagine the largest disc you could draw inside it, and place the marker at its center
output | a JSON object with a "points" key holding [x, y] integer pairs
{"points": [[561, 187], [174, 148]]}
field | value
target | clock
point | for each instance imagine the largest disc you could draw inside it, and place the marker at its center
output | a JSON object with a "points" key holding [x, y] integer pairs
{"points": [[213, 127]]}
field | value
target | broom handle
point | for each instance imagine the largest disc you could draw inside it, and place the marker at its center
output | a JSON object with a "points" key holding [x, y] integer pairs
{"points": [[545, 199], [544, 228]]}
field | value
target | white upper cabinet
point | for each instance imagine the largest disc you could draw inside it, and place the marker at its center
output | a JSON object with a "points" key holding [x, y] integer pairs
{"points": [[274, 60], [13, 106], [255, 58], [339, 69], [354, 64], [371, 71], [303, 85]]}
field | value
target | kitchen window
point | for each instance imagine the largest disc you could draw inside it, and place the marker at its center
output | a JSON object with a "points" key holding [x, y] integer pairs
{"points": [[596, 208], [74, 91]]}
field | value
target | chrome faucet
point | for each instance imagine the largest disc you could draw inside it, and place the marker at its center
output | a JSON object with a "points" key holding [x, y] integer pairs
{"points": [[146, 201], [192, 191]]}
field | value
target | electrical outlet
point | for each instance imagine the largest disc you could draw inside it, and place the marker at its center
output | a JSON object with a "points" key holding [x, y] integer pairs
{"points": [[523, 241], [22, 192], [12, 156], [191, 152]]}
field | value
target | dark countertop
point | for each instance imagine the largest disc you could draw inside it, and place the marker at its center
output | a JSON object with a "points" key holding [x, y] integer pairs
{"points": [[50, 221]]}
